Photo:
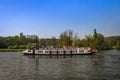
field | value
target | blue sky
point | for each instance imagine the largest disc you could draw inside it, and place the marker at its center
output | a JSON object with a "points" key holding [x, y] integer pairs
{"points": [[48, 18]]}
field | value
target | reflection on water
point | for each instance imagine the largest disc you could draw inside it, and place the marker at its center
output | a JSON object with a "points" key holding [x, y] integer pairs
{"points": [[101, 66]]}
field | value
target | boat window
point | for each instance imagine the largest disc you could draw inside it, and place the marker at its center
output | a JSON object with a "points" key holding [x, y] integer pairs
{"points": [[81, 51], [40, 51], [46, 51], [29, 50]]}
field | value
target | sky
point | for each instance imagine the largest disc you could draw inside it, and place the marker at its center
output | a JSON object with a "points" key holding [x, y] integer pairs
{"points": [[48, 18]]}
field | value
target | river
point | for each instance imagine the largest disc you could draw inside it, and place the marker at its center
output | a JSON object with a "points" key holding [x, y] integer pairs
{"points": [[104, 65]]}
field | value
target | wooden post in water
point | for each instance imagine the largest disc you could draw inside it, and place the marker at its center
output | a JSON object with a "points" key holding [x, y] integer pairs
{"points": [[64, 52], [57, 52], [50, 52], [33, 51], [71, 52]]}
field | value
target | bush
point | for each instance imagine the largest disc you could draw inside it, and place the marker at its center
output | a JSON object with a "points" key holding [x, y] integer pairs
{"points": [[17, 47], [13, 47], [11, 50], [22, 47], [29, 45], [10, 47]]}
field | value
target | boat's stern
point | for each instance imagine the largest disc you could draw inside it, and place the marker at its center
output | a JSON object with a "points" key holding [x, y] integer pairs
{"points": [[27, 51]]}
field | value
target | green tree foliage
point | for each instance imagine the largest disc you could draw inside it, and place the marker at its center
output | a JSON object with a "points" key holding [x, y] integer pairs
{"points": [[13, 47], [66, 38], [3, 42], [99, 42], [16, 42], [22, 46], [88, 40], [49, 42], [112, 41], [118, 45], [96, 41], [22, 39], [95, 34], [29, 45], [76, 43]]}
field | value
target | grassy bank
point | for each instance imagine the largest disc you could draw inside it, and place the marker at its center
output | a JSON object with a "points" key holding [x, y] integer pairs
{"points": [[11, 50]]}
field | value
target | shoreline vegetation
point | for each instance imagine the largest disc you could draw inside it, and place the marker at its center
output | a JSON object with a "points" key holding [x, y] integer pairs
{"points": [[66, 39], [11, 50]]}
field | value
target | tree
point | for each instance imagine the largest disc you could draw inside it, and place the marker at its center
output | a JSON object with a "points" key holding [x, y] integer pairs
{"points": [[98, 42], [3, 42], [76, 43], [118, 45], [36, 38], [54, 41], [22, 39], [88, 39], [95, 34], [66, 38]]}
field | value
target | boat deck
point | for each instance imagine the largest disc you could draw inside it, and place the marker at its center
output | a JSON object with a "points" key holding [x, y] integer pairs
{"points": [[57, 52]]}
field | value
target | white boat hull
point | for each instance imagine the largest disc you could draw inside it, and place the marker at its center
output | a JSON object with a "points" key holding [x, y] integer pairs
{"points": [[57, 52]]}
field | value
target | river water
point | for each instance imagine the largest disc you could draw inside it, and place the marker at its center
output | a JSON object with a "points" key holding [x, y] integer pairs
{"points": [[104, 65]]}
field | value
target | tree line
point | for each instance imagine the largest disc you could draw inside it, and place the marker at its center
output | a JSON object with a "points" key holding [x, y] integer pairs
{"points": [[67, 38]]}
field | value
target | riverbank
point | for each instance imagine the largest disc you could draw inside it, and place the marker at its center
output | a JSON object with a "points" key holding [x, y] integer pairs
{"points": [[11, 50]]}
